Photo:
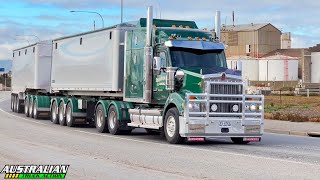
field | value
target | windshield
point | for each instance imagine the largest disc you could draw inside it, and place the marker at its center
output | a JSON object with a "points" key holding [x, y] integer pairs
{"points": [[197, 59]]}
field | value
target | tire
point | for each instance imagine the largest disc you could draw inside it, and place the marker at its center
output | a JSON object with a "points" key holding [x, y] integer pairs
{"points": [[113, 122], [26, 106], [54, 113], [61, 115], [69, 115], [35, 110], [16, 104], [237, 140], [30, 104], [100, 119], [171, 126], [13, 103]]}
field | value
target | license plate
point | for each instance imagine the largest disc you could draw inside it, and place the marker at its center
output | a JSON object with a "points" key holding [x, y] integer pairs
{"points": [[196, 139], [225, 124], [252, 139]]}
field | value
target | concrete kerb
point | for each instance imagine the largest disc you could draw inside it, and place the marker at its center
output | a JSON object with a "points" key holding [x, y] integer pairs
{"points": [[296, 133]]}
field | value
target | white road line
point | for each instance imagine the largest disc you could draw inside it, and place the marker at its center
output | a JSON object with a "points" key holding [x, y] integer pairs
{"points": [[25, 119], [169, 145]]}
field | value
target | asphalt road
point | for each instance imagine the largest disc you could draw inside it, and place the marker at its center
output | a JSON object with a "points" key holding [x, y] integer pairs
{"points": [[92, 155]]}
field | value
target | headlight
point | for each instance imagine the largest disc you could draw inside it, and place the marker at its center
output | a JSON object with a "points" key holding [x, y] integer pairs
{"points": [[260, 108], [235, 108], [253, 108], [214, 107], [194, 107]]}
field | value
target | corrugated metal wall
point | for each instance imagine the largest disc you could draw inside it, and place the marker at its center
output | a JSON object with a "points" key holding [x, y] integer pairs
{"points": [[261, 42]]}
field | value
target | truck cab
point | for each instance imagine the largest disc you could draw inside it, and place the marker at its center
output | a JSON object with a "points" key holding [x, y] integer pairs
{"points": [[194, 95]]}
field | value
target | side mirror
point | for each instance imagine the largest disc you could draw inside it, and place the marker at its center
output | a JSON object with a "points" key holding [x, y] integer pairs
{"points": [[157, 64]]}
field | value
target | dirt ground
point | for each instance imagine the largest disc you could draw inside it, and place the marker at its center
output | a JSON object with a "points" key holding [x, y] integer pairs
{"points": [[293, 108]]}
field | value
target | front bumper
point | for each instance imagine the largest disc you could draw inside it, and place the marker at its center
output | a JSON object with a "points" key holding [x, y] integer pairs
{"points": [[227, 124], [202, 127]]}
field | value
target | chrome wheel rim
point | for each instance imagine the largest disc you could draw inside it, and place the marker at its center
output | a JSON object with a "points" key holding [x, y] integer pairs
{"points": [[54, 112], [30, 107], [68, 114], [17, 104], [171, 126], [112, 119], [34, 109], [99, 118], [26, 106], [60, 112]]}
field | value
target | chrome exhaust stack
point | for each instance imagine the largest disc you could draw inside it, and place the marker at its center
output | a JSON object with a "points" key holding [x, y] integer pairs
{"points": [[218, 25], [148, 56]]}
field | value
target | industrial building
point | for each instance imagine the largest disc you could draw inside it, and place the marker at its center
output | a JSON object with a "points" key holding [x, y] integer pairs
{"points": [[302, 54], [255, 40], [273, 68]]}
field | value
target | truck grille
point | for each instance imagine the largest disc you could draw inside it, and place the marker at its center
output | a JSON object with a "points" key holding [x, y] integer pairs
{"points": [[229, 89], [226, 89]]}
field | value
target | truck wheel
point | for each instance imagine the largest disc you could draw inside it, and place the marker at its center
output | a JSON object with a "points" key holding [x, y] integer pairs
{"points": [[239, 140], [62, 119], [35, 110], [100, 120], [113, 122], [12, 102], [16, 104], [69, 116], [30, 104], [171, 126], [54, 113], [26, 106]]}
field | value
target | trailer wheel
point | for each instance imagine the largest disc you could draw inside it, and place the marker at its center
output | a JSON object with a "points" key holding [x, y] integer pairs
{"points": [[171, 126], [61, 115], [30, 104], [239, 140], [16, 104], [26, 106], [54, 113], [113, 122], [35, 110], [12, 102], [100, 119], [69, 115]]}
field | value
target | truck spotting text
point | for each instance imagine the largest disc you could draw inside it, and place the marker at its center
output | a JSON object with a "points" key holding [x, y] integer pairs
{"points": [[161, 75]]}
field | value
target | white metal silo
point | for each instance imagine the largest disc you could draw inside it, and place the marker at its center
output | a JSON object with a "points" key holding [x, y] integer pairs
{"points": [[250, 70], [315, 64], [278, 68], [249, 67]]}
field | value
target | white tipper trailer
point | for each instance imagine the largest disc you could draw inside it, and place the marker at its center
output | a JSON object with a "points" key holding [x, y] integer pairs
{"points": [[161, 75], [31, 69]]}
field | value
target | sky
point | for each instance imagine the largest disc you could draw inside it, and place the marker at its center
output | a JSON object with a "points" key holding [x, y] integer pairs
{"points": [[50, 19]]}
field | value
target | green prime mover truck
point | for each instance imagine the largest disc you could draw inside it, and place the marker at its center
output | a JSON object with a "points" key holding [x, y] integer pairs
{"points": [[161, 75]]}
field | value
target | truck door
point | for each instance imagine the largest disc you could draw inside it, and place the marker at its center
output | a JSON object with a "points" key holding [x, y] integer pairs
{"points": [[160, 94]]}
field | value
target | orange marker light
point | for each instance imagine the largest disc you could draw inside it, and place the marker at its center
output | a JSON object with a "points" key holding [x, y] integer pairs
{"points": [[191, 97]]}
